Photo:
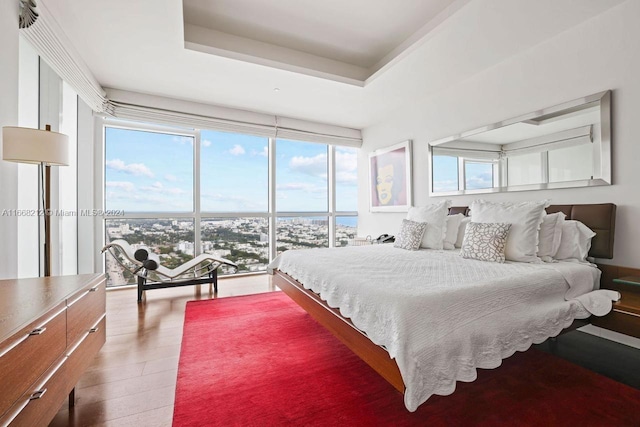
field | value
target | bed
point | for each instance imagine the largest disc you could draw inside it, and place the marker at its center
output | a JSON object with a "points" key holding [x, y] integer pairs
{"points": [[473, 315]]}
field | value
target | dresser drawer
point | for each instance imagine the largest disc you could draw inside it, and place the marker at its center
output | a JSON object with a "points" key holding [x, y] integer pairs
{"points": [[84, 309], [43, 401], [29, 353], [81, 355]]}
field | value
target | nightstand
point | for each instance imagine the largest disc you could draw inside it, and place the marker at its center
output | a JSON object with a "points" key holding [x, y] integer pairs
{"points": [[625, 316]]}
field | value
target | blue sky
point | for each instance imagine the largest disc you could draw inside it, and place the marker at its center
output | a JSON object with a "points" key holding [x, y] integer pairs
{"points": [[148, 171]]}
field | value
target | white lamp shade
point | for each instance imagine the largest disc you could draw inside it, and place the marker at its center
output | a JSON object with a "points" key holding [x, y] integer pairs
{"points": [[26, 145]]}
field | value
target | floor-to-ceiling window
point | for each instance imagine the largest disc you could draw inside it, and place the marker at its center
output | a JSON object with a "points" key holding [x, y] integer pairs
{"points": [[234, 198], [302, 195], [346, 194], [186, 192]]}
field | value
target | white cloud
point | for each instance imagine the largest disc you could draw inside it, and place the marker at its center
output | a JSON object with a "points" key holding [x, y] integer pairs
{"points": [[206, 143], [157, 187], [148, 198], [445, 185], [293, 186], [171, 178], [183, 140], [264, 152], [314, 166], [349, 178], [484, 180], [238, 202], [148, 201], [301, 186], [347, 167], [137, 169], [346, 161], [237, 150], [122, 185], [174, 191]]}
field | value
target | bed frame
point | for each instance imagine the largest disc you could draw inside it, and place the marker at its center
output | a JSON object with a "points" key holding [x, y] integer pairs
{"points": [[598, 217]]}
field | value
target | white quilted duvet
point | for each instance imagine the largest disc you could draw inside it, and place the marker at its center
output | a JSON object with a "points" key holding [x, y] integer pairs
{"points": [[441, 316]]}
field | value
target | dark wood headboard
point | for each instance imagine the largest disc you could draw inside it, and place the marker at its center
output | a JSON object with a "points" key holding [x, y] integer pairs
{"points": [[601, 218]]}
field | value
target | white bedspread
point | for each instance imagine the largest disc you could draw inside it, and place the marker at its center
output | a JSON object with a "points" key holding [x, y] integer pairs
{"points": [[441, 316]]}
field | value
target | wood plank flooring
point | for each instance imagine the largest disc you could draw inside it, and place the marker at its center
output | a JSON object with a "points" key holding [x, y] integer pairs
{"points": [[132, 380]]}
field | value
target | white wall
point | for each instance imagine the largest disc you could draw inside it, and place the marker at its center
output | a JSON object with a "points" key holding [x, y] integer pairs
{"points": [[599, 54], [8, 117]]}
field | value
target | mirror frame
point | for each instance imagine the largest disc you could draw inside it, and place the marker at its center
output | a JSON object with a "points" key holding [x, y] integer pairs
{"points": [[602, 169]]}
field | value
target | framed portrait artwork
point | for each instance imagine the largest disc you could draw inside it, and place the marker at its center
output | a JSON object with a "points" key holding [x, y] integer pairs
{"points": [[390, 178]]}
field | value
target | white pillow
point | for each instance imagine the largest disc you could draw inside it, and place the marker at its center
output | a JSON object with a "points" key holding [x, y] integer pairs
{"points": [[549, 236], [525, 219], [575, 242], [410, 235], [435, 216], [463, 228], [451, 235], [485, 241]]}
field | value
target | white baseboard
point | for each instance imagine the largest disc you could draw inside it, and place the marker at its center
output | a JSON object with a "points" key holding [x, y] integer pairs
{"points": [[611, 335]]}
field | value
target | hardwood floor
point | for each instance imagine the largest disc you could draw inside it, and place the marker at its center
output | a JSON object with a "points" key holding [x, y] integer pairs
{"points": [[132, 380]]}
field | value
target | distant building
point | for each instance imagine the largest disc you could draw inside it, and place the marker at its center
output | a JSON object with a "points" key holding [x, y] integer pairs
{"points": [[186, 247]]}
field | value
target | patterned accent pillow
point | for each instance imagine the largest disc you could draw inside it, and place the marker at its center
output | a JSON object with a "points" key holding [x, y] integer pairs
{"points": [[410, 235], [485, 241]]}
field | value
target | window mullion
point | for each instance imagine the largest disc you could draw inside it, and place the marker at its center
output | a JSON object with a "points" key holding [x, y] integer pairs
{"points": [[197, 218], [272, 199], [331, 166]]}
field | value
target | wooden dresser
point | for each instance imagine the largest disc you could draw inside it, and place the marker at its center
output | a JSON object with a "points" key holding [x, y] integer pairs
{"points": [[50, 330]]}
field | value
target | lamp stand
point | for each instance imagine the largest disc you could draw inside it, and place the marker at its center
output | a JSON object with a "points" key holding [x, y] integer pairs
{"points": [[47, 219], [47, 214]]}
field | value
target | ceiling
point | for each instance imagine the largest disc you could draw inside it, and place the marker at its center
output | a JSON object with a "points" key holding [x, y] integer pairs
{"points": [[405, 49], [347, 41]]}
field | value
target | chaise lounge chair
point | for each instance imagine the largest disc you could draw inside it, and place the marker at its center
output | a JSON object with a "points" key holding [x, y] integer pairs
{"points": [[145, 264]]}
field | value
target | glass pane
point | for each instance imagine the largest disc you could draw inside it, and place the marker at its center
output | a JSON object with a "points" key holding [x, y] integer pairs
{"points": [[445, 173], [346, 179], [524, 169], [301, 177], [571, 163], [68, 176], [478, 175], [302, 233], [244, 241], [234, 172], [346, 229], [148, 171], [171, 239]]}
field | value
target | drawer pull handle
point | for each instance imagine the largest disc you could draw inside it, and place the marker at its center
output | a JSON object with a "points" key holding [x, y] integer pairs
{"points": [[95, 288], [38, 331], [92, 330], [38, 394]]}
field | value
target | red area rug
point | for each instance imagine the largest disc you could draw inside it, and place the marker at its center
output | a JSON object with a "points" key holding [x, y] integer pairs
{"points": [[260, 360]]}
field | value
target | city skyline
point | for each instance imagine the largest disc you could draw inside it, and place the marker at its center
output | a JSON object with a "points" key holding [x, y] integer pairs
{"points": [[241, 240]]}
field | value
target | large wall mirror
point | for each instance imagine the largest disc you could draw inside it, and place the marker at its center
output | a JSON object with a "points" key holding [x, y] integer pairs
{"points": [[568, 145]]}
